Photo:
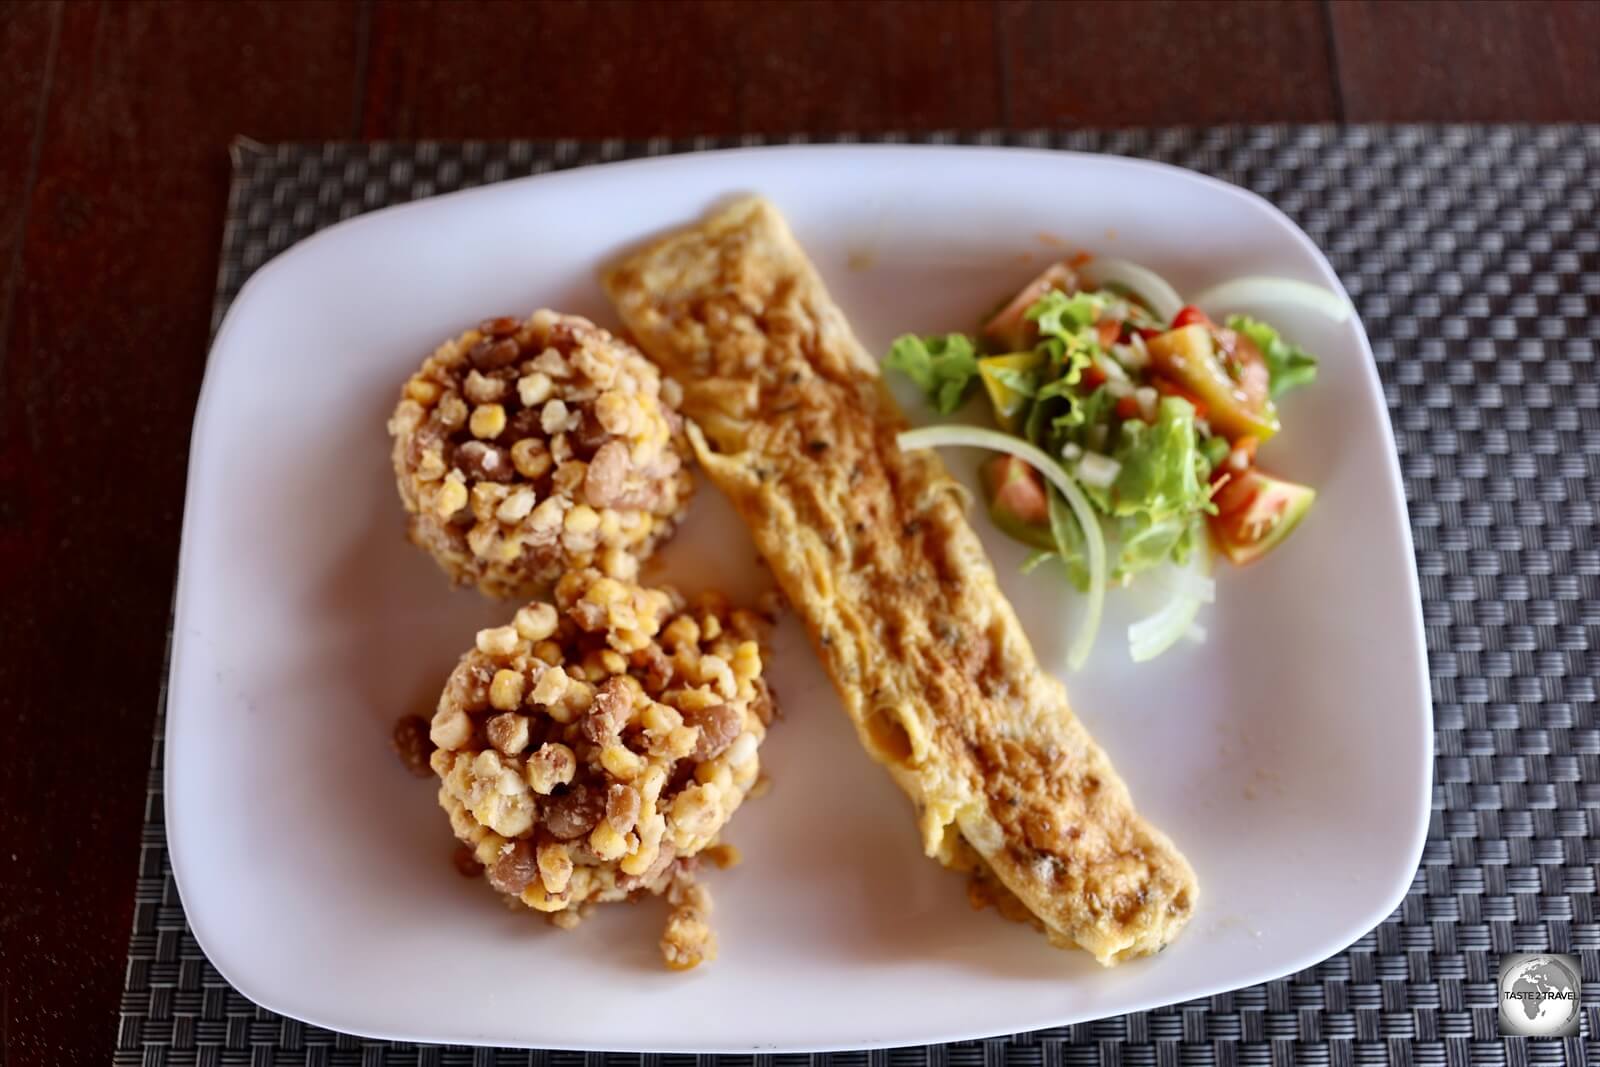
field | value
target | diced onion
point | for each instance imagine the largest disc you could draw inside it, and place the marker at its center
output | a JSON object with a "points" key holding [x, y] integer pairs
{"points": [[1093, 539], [1110, 367], [1254, 289], [1133, 357], [1071, 450], [1119, 387], [1147, 398], [1098, 471], [1160, 297]]}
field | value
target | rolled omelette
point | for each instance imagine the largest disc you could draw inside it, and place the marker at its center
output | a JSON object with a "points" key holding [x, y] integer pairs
{"points": [[872, 548]]}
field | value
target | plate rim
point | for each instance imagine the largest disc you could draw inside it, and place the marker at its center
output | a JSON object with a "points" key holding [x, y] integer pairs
{"points": [[207, 412]]}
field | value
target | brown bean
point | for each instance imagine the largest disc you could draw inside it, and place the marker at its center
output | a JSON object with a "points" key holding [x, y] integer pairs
{"points": [[410, 742], [574, 813], [765, 703], [609, 712], [503, 326], [515, 870], [622, 807], [719, 725], [590, 434], [604, 481], [488, 355], [485, 462], [657, 666], [466, 864], [524, 423]]}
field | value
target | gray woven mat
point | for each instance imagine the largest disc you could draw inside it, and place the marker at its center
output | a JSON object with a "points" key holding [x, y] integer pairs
{"points": [[1474, 257]]}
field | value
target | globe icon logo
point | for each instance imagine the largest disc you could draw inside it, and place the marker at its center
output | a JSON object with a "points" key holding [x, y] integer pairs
{"points": [[1539, 995]]}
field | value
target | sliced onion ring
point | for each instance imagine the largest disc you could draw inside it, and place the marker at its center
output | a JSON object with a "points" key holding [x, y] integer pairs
{"points": [[1093, 539], [1159, 296], [1256, 289], [1174, 620]]}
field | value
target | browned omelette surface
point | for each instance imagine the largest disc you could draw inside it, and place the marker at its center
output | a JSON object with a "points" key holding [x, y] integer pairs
{"points": [[873, 550]]}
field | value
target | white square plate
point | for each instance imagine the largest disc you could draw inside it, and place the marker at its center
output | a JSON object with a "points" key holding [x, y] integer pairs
{"points": [[1289, 757]]}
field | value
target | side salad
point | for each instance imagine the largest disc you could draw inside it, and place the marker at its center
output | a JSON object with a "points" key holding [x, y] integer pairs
{"points": [[1127, 426]]}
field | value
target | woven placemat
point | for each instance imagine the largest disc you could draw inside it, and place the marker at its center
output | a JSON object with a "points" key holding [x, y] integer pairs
{"points": [[1473, 254]]}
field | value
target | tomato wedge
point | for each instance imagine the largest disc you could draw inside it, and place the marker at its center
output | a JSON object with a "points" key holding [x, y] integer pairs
{"points": [[1018, 501], [1189, 315], [1010, 329], [1255, 512], [1232, 385], [1109, 330]]}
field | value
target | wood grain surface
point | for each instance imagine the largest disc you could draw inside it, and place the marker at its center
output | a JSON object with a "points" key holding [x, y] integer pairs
{"points": [[115, 119]]}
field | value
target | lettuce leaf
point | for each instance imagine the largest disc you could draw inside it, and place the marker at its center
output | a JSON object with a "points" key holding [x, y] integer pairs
{"points": [[1065, 317], [1288, 365], [1159, 489], [942, 367]]}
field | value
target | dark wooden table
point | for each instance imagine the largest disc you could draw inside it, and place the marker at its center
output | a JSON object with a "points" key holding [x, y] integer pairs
{"points": [[114, 124]]}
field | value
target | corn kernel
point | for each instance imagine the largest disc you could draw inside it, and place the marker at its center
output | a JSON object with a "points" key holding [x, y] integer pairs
{"points": [[638, 861], [423, 391], [660, 718], [715, 775], [551, 685], [614, 413], [482, 538], [537, 897], [604, 590], [746, 661], [505, 692], [516, 507], [577, 699], [450, 729], [614, 562], [715, 670], [651, 783], [582, 519], [621, 763], [555, 866], [695, 815], [531, 457], [553, 765], [486, 497], [742, 751], [534, 389], [548, 515], [508, 733], [599, 368], [497, 641], [483, 390], [430, 468], [535, 622], [680, 741], [451, 498], [680, 631], [553, 418], [488, 421], [607, 843], [452, 411]]}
